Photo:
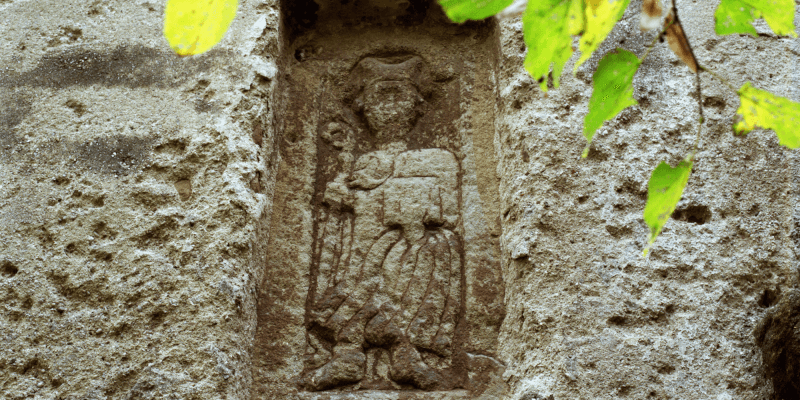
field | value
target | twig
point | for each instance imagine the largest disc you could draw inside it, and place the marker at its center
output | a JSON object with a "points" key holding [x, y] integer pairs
{"points": [[653, 43], [696, 146], [701, 120], [720, 78]]}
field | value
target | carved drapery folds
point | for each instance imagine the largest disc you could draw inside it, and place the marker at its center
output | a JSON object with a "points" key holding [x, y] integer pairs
{"points": [[388, 260], [383, 266]]}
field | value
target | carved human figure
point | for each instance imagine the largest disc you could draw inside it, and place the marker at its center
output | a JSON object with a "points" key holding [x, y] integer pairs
{"points": [[388, 257]]}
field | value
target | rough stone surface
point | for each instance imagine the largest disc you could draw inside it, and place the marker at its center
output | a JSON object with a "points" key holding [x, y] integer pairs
{"points": [[133, 187], [140, 256], [587, 316]]}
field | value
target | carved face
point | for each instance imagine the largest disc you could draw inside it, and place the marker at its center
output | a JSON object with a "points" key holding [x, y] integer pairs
{"points": [[390, 108]]}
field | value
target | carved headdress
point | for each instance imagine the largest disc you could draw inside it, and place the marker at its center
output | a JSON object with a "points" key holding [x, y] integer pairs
{"points": [[370, 70]]}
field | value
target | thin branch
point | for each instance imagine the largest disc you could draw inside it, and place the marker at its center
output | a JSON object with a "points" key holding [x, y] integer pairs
{"points": [[696, 146], [678, 41], [701, 119], [653, 43], [720, 78]]}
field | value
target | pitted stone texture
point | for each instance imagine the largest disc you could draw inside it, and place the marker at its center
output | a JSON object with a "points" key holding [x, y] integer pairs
{"points": [[588, 317], [133, 187], [136, 187]]}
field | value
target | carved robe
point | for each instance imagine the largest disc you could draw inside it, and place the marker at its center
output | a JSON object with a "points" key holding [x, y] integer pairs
{"points": [[389, 259]]}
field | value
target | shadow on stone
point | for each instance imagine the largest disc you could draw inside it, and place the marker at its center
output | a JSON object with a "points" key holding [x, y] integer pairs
{"points": [[132, 66], [778, 336]]}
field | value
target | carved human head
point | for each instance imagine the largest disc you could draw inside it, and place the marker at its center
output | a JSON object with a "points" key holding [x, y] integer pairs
{"points": [[388, 92]]}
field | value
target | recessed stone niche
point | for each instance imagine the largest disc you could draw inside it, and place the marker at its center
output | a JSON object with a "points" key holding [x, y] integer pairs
{"points": [[383, 279]]}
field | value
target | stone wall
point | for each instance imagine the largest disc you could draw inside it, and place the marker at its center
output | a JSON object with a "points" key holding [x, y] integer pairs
{"points": [[140, 257], [135, 190], [587, 316]]}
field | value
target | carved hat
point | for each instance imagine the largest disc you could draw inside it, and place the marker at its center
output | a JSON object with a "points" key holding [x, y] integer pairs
{"points": [[407, 67]]}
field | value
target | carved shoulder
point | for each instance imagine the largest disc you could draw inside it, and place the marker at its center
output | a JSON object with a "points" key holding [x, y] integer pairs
{"points": [[437, 163]]}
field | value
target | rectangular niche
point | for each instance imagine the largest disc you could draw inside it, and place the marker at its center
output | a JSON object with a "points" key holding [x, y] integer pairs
{"points": [[383, 276]]}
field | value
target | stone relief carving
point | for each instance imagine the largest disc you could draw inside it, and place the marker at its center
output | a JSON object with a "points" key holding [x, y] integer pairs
{"points": [[387, 276]]}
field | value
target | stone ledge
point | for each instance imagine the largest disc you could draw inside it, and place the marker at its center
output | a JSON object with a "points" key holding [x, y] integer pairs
{"points": [[387, 395]]}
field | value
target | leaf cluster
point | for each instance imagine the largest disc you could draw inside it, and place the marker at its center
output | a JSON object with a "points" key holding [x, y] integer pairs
{"points": [[549, 27]]}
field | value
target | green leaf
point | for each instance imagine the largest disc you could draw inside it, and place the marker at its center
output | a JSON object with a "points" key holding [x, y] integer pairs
{"points": [[601, 16], [613, 91], [548, 26], [462, 10], [663, 193], [762, 109], [736, 16], [195, 26]]}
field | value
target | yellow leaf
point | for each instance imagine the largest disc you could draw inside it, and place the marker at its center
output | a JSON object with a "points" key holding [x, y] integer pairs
{"points": [[762, 109], [548, 26], [737, 16], [576, 20], [601, 16], [594, 4], [195, 26]]}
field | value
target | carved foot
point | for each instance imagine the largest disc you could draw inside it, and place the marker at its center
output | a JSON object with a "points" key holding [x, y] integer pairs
{"points": [[408, 367], [346, 367]]}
